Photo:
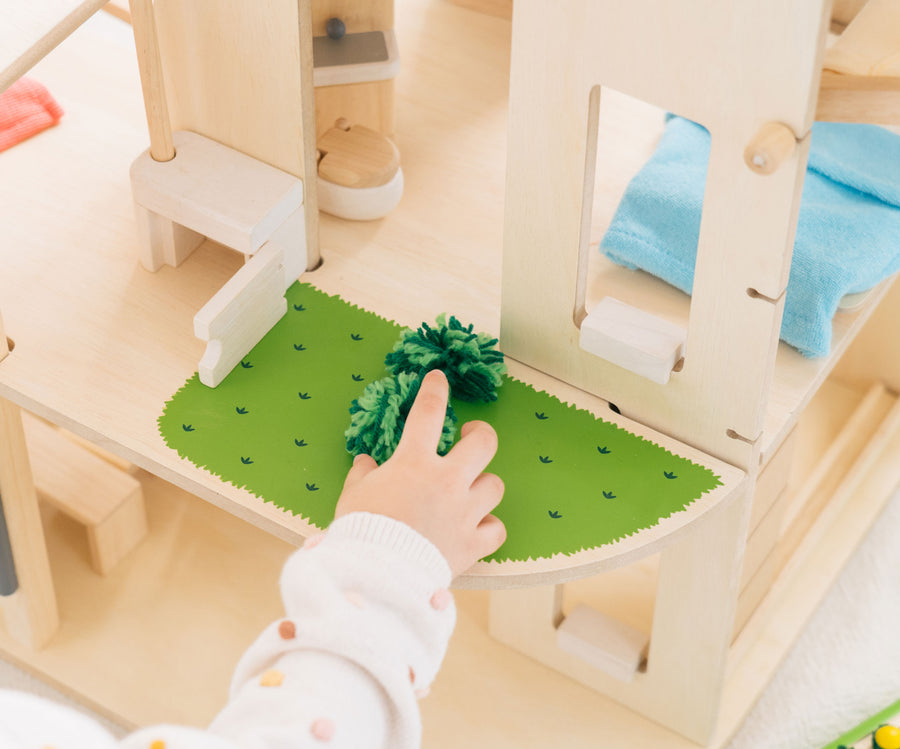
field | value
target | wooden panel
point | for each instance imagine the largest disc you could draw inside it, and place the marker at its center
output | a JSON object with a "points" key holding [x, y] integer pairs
{"points": [[498, 8], [80, 484], [241, 74], [371, 15], [844, 11], [753, 592], [773, 478], [732, 336], [369, 104], [870, 45], [857, 98], [869, 358], [688, 646], [31, 615]]}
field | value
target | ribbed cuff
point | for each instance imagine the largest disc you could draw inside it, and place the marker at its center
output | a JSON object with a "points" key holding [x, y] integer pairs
{"points": [[396, 535]]}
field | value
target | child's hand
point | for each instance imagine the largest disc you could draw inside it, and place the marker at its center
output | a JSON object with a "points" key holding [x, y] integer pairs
{"points": [[446, 499]]}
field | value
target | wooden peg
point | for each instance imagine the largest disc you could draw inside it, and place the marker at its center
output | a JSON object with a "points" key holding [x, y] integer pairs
{"points": [[770, 147], [143, 23]]}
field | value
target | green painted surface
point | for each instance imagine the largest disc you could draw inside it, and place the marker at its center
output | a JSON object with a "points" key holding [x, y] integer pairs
{"points": [[275, 426], [890, 714]]}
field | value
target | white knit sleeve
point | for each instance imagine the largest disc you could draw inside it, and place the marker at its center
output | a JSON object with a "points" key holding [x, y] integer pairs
{"points": [[367, 625]]}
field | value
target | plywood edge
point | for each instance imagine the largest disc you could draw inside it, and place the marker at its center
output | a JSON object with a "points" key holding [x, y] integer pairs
{"points": [[804, 581]]}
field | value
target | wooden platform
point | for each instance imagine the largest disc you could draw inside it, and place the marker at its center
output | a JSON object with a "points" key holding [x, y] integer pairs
{"points": [[101, 343]]}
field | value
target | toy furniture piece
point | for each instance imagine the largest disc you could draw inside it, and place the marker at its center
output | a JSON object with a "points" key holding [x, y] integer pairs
{"points": [[750, 74], [94, 492], [232, 170], [355, 60], [102, 364]]}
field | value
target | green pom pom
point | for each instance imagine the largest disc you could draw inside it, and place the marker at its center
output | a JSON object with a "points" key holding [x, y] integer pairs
{"points": [[379, 414], [471, 361]]}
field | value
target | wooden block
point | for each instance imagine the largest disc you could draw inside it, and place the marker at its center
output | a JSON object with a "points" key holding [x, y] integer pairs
{"points": [[358, 157], [241, 313], [112, 539], [859, 98], [360, 203], [356, 58], [161, 241], [633, 339], [603, 642], [368, 104], [106, 500], [219, 192]]}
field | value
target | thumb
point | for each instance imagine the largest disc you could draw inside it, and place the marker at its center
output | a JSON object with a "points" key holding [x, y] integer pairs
{"points": [[362, 466]]}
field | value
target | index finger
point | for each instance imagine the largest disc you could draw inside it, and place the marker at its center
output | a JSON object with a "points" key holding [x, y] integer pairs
{"points": [[425, 421]]}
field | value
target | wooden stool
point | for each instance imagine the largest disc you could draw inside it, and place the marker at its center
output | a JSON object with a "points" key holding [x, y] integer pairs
{"points": [[106, 500]]}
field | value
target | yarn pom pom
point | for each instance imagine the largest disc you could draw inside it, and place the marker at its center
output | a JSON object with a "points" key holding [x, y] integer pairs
{"points": [[379, 414], [471, 361]]}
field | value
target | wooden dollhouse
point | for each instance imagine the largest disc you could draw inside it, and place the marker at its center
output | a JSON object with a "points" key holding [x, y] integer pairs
{"points": [[684, 623]]}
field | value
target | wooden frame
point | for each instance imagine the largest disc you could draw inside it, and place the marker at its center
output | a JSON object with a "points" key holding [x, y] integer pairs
{"points": [[137, 324]]}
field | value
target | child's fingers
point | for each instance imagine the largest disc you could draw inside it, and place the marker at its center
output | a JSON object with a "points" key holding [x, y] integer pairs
{"points": [[475, 449], [486, 493], [490, 535], [362, 466], [425, 420]]}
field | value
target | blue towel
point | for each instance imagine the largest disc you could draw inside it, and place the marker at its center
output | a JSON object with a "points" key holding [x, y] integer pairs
{"points": [[848, 231]]}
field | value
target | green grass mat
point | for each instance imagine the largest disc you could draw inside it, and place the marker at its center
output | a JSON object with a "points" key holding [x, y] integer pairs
{"points": [[275, 426]]}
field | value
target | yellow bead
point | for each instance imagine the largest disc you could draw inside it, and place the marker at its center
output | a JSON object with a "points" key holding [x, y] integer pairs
{"points": [[271, 678], [888, 737], [158, 744]]}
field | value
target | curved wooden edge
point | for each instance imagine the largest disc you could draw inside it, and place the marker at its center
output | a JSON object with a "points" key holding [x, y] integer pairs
{"points": [[561, 568]]}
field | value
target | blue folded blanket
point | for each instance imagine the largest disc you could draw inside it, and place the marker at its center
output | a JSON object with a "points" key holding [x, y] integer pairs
{"points": [[848, 231]]}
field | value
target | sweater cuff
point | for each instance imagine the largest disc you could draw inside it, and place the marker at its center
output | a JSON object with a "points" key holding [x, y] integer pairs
{"points": [[393, 534]]}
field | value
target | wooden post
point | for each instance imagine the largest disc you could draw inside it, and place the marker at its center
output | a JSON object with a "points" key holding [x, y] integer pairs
{"points": [[30, 612], [143, 24]]}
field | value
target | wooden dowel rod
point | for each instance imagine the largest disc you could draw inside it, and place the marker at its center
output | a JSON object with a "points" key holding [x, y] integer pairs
{"points": [[770, 148], [143, 24], [30, 613]]}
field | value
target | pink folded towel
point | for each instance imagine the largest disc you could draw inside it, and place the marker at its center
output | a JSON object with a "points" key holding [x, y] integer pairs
{"points": [[26, 108]]}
